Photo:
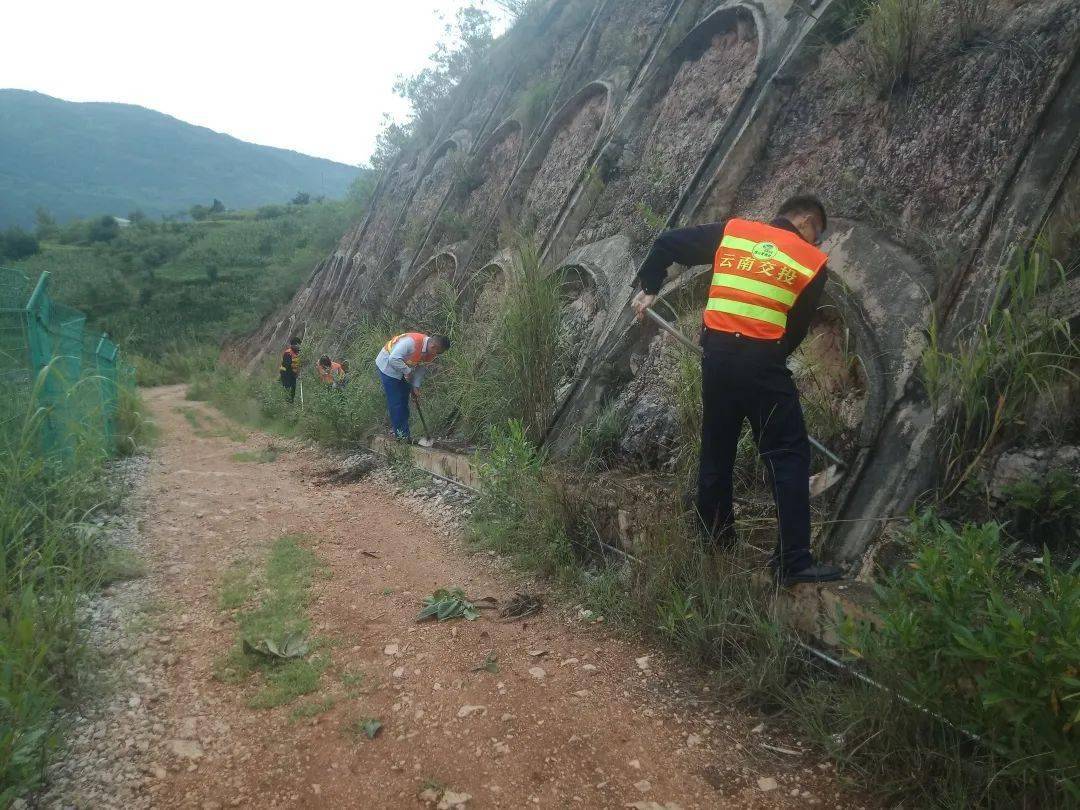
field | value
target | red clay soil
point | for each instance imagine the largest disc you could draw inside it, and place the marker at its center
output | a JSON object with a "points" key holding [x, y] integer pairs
{"points": [[572, 718]]}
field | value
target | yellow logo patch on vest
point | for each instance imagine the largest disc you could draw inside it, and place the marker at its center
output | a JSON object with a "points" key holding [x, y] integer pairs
{"points": [[763, 250]]}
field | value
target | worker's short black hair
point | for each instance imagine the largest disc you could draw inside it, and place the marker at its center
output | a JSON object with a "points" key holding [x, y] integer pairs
{"points": [[324, 360], [442, 340], [805, 204], [294, 340]]}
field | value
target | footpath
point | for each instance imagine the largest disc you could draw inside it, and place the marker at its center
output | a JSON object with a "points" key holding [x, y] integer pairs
{"points": [[547, 711]]}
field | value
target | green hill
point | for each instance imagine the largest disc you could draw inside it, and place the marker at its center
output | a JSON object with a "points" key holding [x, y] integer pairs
{"points": [[90, 158], [157, 287]]}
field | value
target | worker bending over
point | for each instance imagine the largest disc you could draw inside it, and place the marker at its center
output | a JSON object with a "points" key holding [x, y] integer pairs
{"points": [[290, 367], [402, 364], [766, 284], [329, 371]]}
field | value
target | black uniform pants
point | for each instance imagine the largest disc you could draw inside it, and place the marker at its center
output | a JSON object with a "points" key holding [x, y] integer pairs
{"points": [[748, 379], [288, 382]]}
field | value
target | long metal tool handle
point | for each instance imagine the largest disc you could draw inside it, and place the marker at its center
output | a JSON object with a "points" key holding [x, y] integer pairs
{"points": [[420, 413], [683, 339]]}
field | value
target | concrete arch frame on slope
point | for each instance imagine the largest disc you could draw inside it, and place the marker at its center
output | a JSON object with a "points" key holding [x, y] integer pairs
{"points": [[357, 288], [466, 247], [621, 266], [440, 267], [418, 210], [650, 91], [514, 206]]}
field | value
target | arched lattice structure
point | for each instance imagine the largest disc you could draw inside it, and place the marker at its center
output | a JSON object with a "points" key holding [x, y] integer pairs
{"points": [[556, 161], [429, 301]]}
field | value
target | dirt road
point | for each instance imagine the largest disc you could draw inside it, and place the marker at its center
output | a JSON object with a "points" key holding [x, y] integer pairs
{"points": [[572, 717]]}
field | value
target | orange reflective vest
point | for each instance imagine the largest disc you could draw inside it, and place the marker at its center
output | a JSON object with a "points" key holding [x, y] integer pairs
{"points": [[758, 273], [331, 375], [419, 356], [292, 356]]}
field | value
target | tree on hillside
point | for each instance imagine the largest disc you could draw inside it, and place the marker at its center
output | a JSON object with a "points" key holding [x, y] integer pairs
{"points": [[45, 223], [217, 206], [301, 198], [199, 212], [103, 229], [465, 43], [515, 8], [362, 189], [15, 244]]}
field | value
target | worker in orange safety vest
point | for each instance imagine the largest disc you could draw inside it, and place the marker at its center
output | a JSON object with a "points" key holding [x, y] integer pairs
{"points": [[289, 369], [767, 281], [329, 371], [402, 364]]}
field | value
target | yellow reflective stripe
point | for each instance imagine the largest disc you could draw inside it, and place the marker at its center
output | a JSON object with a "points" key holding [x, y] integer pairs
{"points": [[748, 245], [754, 286], [748, 311]]}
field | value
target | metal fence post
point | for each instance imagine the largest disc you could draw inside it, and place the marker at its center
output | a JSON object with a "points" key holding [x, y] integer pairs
{"points": [[105, 353], [40, 350]]}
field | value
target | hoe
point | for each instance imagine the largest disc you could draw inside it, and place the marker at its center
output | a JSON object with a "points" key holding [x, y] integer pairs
{"points": [[427, 440]]}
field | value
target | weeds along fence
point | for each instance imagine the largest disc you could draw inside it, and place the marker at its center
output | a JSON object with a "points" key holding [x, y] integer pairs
{"points": [[52, 368]]}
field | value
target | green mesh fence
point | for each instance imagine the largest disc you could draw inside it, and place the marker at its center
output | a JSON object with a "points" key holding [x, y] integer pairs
{"points": [[56, 377]]}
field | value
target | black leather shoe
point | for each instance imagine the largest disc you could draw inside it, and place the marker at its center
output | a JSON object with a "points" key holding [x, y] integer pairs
{"points": [[818, 572]]}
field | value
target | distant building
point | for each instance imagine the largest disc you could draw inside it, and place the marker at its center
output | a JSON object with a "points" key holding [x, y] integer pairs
{"points": [[121, 222]]}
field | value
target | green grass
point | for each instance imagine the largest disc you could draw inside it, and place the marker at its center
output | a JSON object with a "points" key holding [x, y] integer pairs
{"points": [[894, 38], [311, 708], [237, 585], [207, 426], [263, 456], [364, 728], [191, 416], [286, 682], [278, 609]]}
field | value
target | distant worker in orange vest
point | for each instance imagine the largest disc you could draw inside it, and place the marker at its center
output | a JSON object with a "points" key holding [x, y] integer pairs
{"points": [[402, 364], [290, 367], [766, 284], [322, 368], [328, 370]]}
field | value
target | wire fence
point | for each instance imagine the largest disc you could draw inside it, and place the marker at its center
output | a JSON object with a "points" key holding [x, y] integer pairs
{"points": [[55, 376]]}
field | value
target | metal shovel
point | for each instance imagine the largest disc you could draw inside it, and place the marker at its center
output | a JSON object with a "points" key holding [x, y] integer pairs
{"points": [[426, 441], [819, 482]]}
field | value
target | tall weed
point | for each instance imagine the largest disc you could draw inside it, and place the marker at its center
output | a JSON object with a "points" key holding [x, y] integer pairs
{"points": [[49, 556], [983, 387], [894, 37]]}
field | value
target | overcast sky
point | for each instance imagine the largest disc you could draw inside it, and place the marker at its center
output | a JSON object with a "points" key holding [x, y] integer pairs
{"points": [[309, 75]]}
